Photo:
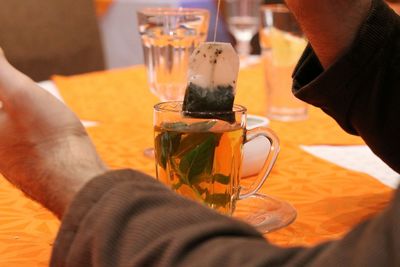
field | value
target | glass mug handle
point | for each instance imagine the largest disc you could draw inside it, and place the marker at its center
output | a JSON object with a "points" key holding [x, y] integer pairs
{"points": [[269, 162]]}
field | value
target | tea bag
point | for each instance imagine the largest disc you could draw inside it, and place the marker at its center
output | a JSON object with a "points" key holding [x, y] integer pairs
{"points": [[212, 77]]}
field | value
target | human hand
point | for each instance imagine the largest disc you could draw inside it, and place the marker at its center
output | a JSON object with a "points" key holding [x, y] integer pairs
{"points": [[44, 149]]}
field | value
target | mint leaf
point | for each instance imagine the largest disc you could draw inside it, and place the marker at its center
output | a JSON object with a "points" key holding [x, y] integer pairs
{"points": [[222, 179], [218, 200], [191, 141], [199, 159], [160, 151], [200, 190], [201, 126], [174, 126], [166, 144]]}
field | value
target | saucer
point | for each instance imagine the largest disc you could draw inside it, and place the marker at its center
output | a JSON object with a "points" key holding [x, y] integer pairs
{"points": [[254, 121], [265, 213]]}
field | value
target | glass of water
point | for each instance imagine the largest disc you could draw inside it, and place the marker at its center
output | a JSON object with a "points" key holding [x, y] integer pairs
{"points": [[243, 19], [169, 36]]}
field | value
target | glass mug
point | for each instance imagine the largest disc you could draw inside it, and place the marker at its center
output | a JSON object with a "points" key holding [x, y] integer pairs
{"points": [[200, 157]]}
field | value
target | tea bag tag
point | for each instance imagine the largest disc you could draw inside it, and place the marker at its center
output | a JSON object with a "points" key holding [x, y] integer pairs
{"points": [[212, 78]]}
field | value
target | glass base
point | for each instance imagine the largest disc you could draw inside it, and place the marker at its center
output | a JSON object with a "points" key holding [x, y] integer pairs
{"points": [[265, 213], [149, 153]]}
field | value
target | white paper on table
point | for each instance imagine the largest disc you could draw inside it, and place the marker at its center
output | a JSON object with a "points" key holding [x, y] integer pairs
{"points": [[50, 87], [356, 158]]}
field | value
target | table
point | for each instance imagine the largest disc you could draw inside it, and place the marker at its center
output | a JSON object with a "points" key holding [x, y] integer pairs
{"points": [[329, 199]]}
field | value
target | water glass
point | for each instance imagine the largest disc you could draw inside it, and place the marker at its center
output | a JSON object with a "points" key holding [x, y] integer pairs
{"points": [[282, 43], [169, 36]]}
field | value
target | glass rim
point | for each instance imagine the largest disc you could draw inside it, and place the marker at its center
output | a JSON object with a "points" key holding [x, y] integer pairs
{"points": [[171, 11], [172, 107], [275, 7]]}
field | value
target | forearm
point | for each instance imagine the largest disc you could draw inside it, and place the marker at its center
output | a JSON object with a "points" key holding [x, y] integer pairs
{"points": [[61, 167], [74, 163], [44, 149], [330, 25]]}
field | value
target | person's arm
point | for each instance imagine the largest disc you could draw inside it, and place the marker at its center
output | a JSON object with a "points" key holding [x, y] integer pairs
{"points": [[330, 25], [360, 88], [44, 149], [125, 218]]}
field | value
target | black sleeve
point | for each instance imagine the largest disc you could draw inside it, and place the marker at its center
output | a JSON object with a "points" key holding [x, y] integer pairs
{"points": [[361, 90], [125, 218]]}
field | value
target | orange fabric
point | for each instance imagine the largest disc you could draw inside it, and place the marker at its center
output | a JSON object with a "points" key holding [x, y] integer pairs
{"points": [[329, 199], [102, 6]]}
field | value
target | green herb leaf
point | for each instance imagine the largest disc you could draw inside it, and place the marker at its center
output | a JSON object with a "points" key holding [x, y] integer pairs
{"points": [[174, 126], [198, 160], [182, 177], [192, 141], [218, 200], [166, 144], [200, 190], [204, 177], [222, 179], [201, 126], [160, 151], [176, 186]]}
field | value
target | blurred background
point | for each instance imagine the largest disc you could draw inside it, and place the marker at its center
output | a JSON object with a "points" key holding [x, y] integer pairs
{"points": [[121, 40], [45, 37]]}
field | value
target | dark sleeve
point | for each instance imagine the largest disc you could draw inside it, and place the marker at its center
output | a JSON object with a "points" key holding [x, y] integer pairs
{"points": [[361, 90], [125, 218]]}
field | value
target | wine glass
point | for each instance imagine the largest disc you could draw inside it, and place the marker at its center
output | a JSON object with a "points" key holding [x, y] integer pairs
{"points": [[242, 17], [169, 36]]}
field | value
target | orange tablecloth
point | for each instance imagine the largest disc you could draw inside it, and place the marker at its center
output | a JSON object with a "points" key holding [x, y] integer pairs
{"points": [[329, 199]]}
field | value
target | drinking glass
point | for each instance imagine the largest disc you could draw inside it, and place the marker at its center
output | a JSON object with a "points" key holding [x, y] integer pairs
{"points": [[169, 36], [199, 156], [282, 43], [242, 17]]}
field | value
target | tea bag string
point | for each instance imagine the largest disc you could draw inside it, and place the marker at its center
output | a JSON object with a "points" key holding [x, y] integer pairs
{"points": [[216, 21]]}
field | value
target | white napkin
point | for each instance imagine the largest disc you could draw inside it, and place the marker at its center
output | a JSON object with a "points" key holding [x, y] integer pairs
{"points": [[357, 158]]}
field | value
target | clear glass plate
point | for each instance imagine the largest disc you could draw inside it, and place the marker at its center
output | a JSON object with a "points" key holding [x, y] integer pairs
{"points": [[265, 213]]}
